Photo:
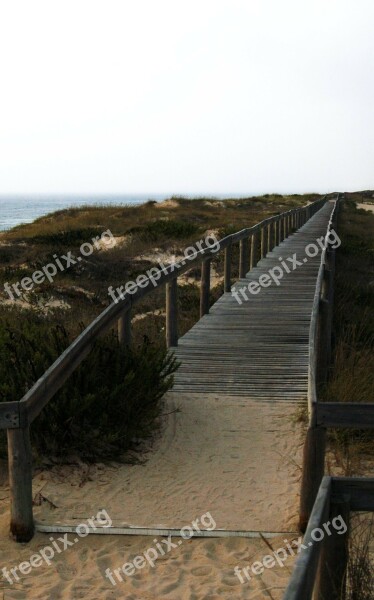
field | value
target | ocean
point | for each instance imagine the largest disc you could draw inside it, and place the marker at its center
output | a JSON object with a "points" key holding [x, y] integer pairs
{"points": [[17, 210]]}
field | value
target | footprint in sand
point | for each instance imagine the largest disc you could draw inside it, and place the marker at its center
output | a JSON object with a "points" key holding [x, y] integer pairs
{"points": [[201, 571]]}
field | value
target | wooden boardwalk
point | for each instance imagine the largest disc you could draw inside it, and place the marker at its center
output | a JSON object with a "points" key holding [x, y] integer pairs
{"points": [[229, 442], [259, 348]]}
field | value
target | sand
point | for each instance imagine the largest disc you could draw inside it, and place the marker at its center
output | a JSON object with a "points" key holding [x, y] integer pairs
{"points": [[235, 458], [364, 206]]}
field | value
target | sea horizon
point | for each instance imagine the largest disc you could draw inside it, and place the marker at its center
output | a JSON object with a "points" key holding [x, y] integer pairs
{"points": [[19, 209]]}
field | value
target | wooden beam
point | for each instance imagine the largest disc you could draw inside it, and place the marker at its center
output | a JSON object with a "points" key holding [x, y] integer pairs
{"points": [[205, 288], [263, 242], [172, 313], [312, 472], [302, 580], [254, 251], [350, 415], [243, 258], [20, 481], [332, 572], [9, 415], [359, 489], [227, 268]]}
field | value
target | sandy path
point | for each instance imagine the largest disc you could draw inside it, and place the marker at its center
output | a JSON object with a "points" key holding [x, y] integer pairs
{"points": [[226, 455], [235, 458]]}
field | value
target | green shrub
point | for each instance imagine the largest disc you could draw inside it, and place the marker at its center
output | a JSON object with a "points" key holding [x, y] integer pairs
{"points": [[71, 237], [163, 229], [112, 399]]}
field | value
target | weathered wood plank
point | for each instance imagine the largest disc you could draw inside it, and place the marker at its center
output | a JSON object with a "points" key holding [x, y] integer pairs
{"points": [[360, 491], [9, 415], [351, 415], [20, 481], [302, 580], [172, 313]]}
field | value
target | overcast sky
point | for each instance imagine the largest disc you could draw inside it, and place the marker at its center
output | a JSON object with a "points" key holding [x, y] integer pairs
{"points": [[207, 96]]}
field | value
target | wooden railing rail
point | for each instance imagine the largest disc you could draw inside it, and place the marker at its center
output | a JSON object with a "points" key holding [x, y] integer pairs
{"points": [[16, 417], [319, 357], [321, 568]]}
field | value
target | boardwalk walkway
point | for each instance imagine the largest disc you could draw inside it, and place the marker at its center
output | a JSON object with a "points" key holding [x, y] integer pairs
{"points": [[258, 349], [229, 445]]}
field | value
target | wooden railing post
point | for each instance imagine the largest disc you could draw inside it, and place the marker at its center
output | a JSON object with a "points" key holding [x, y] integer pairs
{"points": [[243, 258], [312, 471], [263, 242], [172, 313], [205, 287], [227, 268], [124, 328], [254, 250], [20, 481], [270, 237], [333, 562], [276, 231], [285, 227]]}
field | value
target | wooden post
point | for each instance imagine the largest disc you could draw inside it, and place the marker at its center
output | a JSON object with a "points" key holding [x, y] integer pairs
{"points": [[254, 250], [243, 258], [227, 284], [324, 333], [270, 237], [172, 313], [285, 227], [20, 481], [333, 562], [263, 242], [312, 472], [124, 328], [205, 287]]}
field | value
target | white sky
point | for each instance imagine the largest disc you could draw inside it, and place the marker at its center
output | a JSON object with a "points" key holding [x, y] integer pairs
{"points": [[207, 96]]}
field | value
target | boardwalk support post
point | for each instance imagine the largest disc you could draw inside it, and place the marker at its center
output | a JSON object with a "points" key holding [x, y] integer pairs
{"points": [[263, 242], [332, 574], [20, 481], [243, 258], [172, 313], [227, 269], [205, 287], [254, 250], [312, 471]]}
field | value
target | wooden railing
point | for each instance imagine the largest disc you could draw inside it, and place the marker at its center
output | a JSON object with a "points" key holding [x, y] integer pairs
{"points": [[320, 570], [16, 417], [324, 414]]}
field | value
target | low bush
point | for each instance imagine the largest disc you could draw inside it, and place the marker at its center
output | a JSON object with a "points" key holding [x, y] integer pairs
{"points": [[112, 399], [71, 237], [172, 229]]}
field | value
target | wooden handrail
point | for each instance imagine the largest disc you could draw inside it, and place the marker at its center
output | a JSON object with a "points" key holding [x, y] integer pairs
{"points": [[321, 567], [315, 441]]}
